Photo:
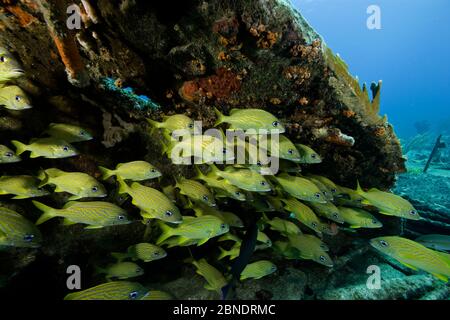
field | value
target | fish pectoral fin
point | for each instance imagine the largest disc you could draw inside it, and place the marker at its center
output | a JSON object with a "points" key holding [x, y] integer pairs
{"points": [[74, 197], [67, 222], [147, 215], [20, 197], [409, 266], [34, 155], [355, 227], [366, 202], [386, 213], [440, 277], [93, 227], [203, 241]]}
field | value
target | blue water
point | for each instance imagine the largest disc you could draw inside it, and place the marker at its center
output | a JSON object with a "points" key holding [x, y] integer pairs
{"points": [[411, 53]]}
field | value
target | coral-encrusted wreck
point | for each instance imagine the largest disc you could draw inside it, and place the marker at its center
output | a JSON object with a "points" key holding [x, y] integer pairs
{"points": [[135, 59]]}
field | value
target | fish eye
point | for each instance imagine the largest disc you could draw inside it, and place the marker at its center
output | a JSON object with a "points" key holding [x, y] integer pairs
{"points": [[153, 170], [263, 183], [224, 151], [156, 253], [333, 190], [18, 98], [413, 212], [322, 258], [169, 213], [66, 148], [133, 295], [138, 270], [205, 198], [28, 237], [2, 59], [317, 195], [335, 215], [374, 221], [121, 217], [190, 125], [258, 163], [237, 193], [314, 156], [9, 154], [274, 268], [290, 151], [275, 123], [223, 226], [384, 243], [94, 189], [313, 224]]}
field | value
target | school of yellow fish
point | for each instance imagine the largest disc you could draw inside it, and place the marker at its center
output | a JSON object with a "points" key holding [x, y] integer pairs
{"points": [[296, 208]]}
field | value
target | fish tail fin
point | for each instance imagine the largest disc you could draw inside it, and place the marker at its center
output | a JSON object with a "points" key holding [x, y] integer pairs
{"points": [[44, 177], [154, 124], [223, 253], [123, 187], [214, 170], [220, 117], [48, 212], [119, 256], [200, 175], [106, 173], [165, 234], [20, 147]]}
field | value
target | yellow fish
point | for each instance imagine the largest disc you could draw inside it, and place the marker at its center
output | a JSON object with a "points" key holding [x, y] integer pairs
{"points": [[300, 188], [157, 295], [221, 184], [17, 231], [325, 191], [216, 281], [51, 148], [153, 203], [331, 186], [414, 255], [283, 226], [201, 228], [80, 184], [308, 155], [96, 214], [244, 179], [196, 191], [7, 155], [389, 204], [175, 122], [281, 147], [303, 214], [311, 248], [146, 252], [328, 210], [359, 218], [246, 119], [134, 170], [258, 270], [228, 217], [14, 98], [114, 290], [22, 187], [68, 132], [9, 67], [121, 271], [233, 253]]}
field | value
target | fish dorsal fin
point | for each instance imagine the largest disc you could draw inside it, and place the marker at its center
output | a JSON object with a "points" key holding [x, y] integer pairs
{"points": [[374, 190], [69, 204], [119, 165]]}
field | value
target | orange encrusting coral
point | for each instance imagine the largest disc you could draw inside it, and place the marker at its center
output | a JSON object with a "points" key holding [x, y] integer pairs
{"points": [[24, 18]]}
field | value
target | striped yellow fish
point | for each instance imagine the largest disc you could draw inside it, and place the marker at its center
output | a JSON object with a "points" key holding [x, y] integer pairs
{"points": [[300, 188], [157, 295], [134, 170], [17, 231], [414, 255], [246, 119], [121, 271], [280, 146], [7, 155], [9, 67], [80, 184], [95, 214], [214, 278], [174, 122], [22, 187], [334, 188], [228, 217], [283, 226], [328, 210], [308, 155], [51, 148], [302, 213], [244, 179], [196, 191], [233, 253], [202, 228], [221, 184], [142, 251], [311, 248], [389, 204], [68, 132], [325, 191], [153, 203], [359, 218], [258, 270], [115, 290]]}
